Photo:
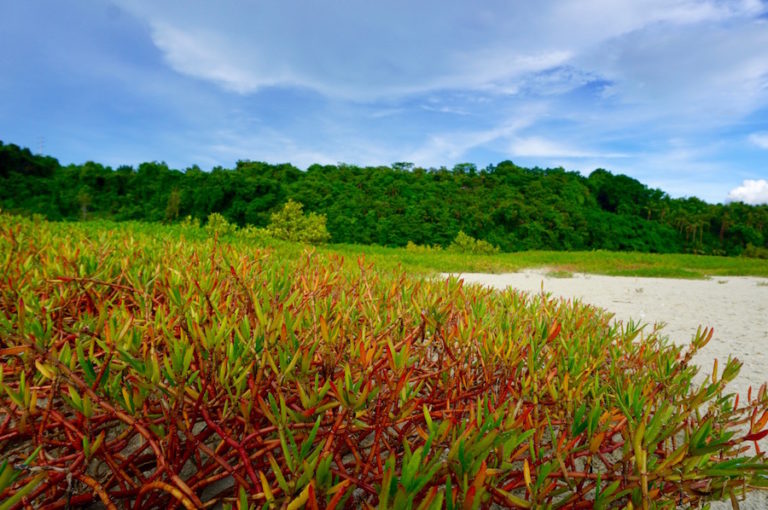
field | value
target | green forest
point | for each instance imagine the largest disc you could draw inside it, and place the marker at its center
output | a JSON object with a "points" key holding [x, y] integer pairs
{"points": [[509, 206]]}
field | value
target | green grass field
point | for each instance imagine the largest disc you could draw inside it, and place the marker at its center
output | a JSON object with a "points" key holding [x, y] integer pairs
{"points": [[597, 262], [444, 261]]}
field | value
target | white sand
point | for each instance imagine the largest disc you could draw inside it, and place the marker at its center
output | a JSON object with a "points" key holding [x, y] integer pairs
{"points": [[736, 307]]}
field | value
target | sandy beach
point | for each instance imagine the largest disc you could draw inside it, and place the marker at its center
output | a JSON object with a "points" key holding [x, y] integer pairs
{"points": [[736, 307]]}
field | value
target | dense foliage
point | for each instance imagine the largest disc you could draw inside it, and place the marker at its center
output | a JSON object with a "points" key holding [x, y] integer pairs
{"points": [[291, 224], [142, 369], [288, 224], [505, 205]]}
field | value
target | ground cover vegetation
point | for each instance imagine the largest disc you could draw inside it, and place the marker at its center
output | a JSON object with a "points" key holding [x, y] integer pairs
{"points": [[146, 366], [504, 205], [430, 259]]}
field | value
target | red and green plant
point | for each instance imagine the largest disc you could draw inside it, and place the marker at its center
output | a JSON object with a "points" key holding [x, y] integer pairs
{"points": [[141, 370]]}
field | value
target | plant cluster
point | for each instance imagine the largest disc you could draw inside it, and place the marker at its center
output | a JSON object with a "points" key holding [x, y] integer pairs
{"points": [[291, 224], [757, 252], [422, 249], [288, 224], [217, 225], [142, 370], [468, 244]]}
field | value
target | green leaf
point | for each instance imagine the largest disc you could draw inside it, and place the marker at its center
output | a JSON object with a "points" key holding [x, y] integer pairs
{"points": [[76, 400], [7, 475], [410, 468], [279, 475], [21, 493], [306, 446], [243, 497], [579, 424], [89, 372]]}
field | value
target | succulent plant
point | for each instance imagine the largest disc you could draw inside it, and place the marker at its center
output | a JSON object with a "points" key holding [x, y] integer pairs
{"points": [[141, 370]]}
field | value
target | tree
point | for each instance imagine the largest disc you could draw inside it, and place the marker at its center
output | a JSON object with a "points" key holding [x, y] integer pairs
{"points": [[510, 206], [402, 166], [84, 199], [174, 203]]}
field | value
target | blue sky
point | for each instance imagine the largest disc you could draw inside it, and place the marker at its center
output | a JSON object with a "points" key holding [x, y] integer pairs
{"points": [[671, 92]]}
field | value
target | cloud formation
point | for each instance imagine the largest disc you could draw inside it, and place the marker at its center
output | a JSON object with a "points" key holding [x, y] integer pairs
{"points": [[363, 50], [672, 92], [759, 139], [750, 192], [537, 146]]}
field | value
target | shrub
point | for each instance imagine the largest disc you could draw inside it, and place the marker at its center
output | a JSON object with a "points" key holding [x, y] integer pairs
{"points": [[253, 233], [468, 244], [291, 224], [148, 372], [218, 225], [190, 223], [755, 252], [419, 248]]}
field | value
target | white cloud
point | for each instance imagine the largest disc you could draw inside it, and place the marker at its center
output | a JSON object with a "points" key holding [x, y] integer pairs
{"points": [[207, 56], [386, 112], [701, 74], [276, 147], [446, 147], [626, 16], [445, 109], [751, 191], [498, 70], [759, 139], [612, 80], [680, 168], [535, 146], [365, 50]]}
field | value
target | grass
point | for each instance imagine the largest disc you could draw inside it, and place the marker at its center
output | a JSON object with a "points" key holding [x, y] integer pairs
{"points": [[560, 273], [561, 262], [557, 263]]}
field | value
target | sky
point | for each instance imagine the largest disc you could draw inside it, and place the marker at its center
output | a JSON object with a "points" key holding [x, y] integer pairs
{"points": [[671, 92]]}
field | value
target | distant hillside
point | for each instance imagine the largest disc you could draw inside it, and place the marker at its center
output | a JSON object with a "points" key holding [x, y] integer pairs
{"points": [[513, 207]]}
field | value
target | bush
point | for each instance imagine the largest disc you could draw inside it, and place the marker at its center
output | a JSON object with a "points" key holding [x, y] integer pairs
{"points": [[755, 252], [190, 223], [291, 224], [419, 248], [468, 244], [253, 233], [219, 226]]}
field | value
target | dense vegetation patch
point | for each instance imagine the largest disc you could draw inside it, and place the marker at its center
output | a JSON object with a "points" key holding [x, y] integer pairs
{"points": [[143, 369], [504, 205]]}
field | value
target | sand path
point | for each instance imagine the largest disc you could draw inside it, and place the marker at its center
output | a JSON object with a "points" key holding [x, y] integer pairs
{"points": [[736, 307]]}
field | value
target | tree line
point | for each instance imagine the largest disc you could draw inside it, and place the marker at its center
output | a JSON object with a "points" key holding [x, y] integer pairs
{"points": [[509, 206]]}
